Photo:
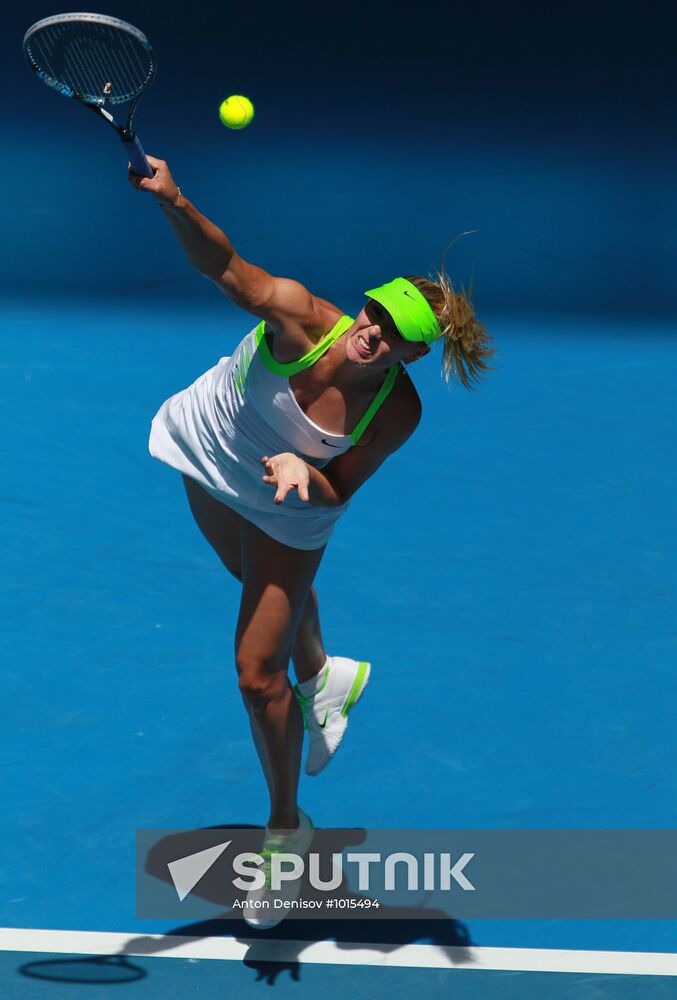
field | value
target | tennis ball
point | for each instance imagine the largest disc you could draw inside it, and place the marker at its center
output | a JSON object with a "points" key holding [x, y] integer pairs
{"points": [[236, 111]]}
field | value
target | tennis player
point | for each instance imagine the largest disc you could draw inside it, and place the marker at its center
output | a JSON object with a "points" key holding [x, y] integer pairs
{"points": [[272, 443]]}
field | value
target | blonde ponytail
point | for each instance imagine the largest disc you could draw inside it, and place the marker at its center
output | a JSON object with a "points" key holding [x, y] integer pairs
{"points": [[467, 347]]}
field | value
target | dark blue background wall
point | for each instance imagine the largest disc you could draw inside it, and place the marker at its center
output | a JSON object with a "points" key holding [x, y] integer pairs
{"points": [[381, 132]]}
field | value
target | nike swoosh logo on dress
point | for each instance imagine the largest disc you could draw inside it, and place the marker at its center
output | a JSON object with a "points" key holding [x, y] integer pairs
{"points": [[324, 441]]}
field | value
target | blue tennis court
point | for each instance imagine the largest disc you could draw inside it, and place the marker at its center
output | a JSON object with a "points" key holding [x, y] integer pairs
{"points": [[523, 645], [509, 572]]}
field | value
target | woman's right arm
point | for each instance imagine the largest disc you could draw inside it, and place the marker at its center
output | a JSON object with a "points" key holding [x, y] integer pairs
{"points": [[280, 301]]}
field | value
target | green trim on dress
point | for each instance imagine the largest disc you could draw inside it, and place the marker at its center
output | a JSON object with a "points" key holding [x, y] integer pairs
{"points": [[287, 368]]}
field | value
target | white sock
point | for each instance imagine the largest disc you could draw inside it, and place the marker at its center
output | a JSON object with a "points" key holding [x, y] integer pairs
{"points": [[310, 687]]}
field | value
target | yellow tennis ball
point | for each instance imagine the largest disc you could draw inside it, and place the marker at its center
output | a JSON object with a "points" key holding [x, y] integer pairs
{"points": [[236, 111]]}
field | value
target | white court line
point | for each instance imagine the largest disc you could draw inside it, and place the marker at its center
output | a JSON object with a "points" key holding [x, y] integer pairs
{"points": [[409, 956]]}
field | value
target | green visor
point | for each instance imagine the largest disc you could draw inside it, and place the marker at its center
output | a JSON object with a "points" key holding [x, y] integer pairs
{"points": [[409, 309]]}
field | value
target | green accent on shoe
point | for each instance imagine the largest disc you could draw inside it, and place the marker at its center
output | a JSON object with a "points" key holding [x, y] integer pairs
{"points": [[303, 705], [357, 687], [304, 700], [276, 843]]}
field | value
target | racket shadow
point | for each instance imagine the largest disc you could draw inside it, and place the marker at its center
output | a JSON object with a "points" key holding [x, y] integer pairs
{"points": [[102, 970]]}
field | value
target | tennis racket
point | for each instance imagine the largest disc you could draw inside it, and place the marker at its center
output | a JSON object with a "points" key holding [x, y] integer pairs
{"points": [[96, 60]]}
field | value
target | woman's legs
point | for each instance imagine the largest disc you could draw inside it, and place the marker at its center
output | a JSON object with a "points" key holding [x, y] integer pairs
{"points": [[222, 527], [276, 581], [224, 530], [308, 653]]}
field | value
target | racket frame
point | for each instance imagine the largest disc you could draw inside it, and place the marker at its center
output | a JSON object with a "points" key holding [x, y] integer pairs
{"points": [[130, 140]]}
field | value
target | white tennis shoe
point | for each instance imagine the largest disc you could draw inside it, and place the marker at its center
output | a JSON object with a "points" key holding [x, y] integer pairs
{"points": [[325, 714], [262, 907]]}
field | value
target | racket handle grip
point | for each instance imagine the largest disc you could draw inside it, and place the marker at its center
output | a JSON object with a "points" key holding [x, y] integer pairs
{"points": [[137, 157]]}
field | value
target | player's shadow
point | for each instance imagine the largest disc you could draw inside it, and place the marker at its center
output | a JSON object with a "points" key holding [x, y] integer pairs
{"points": [[270, 952], [395, 926]]}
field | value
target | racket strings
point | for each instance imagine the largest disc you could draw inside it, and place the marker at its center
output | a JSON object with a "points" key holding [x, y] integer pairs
{"points": [[92, 64], [87, 58]]}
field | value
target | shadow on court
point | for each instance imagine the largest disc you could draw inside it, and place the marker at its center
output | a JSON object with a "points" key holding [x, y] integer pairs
{"points": [[90, 970], [403, 925]]}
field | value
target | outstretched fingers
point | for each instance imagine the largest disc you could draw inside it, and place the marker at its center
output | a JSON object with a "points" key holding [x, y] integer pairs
{"points": [[286, 473], [303, 490]]}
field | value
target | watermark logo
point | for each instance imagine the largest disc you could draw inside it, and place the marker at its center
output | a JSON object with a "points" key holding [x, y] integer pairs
{"points": [[187, 872], [430, 873], [407, 874]]}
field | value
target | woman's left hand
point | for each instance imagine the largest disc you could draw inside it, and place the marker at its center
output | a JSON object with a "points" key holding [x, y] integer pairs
{"points": [[287, 472]]}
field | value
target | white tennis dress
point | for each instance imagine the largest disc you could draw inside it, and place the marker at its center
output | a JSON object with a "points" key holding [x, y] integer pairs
{"points": [[217, 430]]}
